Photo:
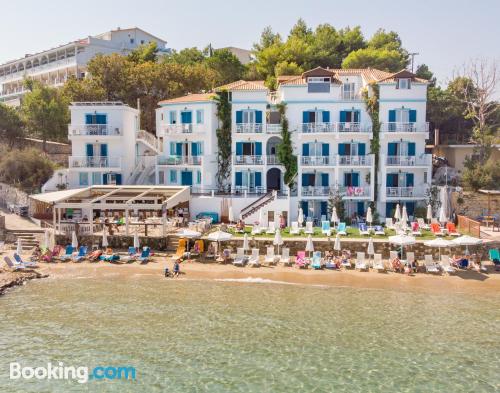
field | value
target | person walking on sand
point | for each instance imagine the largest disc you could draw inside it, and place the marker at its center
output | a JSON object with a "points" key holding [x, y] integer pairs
{"points": [[177, 269]]}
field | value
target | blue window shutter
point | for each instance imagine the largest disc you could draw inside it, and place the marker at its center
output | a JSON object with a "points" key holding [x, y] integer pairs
{"points": [[341, 149], [186, 178], [172, 148], [183, 117], [323, 208], [411, 148], [239, 179], [346, 179], [343, 116], [413, 115], [239, 148], [389, 206], [104, 178], [258, 117], [355, 179], [305, 149], [305, 208], [194, 148], [239, 116], [258, 148], [90, 150], [118, 178], [361, 209], [172, 115], [178, 149], [325, 149], [392, 149], [388, 180], [173, 176], [361, 149], [88, 119], [258, 179], [305, 117], [409, 180], [392, 116], [326, 116], [305, 180], [104, 150], [324, 180], [410, 208], [357, 116], [101, 119]]}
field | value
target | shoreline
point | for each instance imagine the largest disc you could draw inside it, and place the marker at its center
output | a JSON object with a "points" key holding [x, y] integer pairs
{"points": [[11, 279]]}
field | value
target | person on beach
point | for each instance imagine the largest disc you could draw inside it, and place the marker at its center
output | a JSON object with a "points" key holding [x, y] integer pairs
{"points": [[167, 272], [177, 268], [397, 266]]}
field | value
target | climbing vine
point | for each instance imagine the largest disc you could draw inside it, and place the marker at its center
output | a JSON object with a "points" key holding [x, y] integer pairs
{"points": [[285, 149], [372, 106], [223, 141]]}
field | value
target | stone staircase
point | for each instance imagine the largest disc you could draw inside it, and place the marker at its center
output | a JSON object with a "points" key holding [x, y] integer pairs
{"points": [[172, 243], [29, 238], [255, 206]]}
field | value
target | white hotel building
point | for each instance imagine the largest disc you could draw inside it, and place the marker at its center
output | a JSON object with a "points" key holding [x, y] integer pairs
{"points": [[54, 66], [331, 133]]}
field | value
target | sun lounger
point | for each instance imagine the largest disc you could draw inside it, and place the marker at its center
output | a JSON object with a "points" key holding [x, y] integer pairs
{"points": [[430, 265], [363, 229], [67, 255], [256, 230], [452, 230], [225, 256], [325, 228], [109, 256], [13, 265], [378, 264], [436, 229], [271, 228], [341, 229], [360, 261], [285, 256], [309, 228], [270, 258], [240, 259], [19, 261], [415, 229], [300, 260], [294, 229], [82, 254], [446, 265], [494, 256], [379, 230], [346, 263], [145, 255], [422, 224], [254, 259], [316, 260]]}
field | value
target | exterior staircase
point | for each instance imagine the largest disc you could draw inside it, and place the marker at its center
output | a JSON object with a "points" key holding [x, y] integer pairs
{"points": [[255, 206], [172, 243], [144, 171], [148, 140], [29, 238]]}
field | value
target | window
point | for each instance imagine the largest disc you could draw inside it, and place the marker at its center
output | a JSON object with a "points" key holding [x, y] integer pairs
{"points": [[173, 177], [142, 42], [403, 83], [318, 84], [84, 179], [348, 91], [425, 177], [249, 116], [402, 115], [186, 117], [161, 177], [198, 177], [96, 178], [318, 79], [173, 117], [199, 116], [131, 40]]}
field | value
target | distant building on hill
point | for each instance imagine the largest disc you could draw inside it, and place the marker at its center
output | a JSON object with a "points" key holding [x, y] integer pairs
{"points": [[245, 56]]}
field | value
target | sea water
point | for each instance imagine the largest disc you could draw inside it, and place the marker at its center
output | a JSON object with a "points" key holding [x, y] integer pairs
{"points": [[249, 336]]}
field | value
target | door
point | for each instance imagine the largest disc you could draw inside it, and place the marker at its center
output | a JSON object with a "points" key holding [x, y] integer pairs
{"points": [[273, 179], [186, 178]]}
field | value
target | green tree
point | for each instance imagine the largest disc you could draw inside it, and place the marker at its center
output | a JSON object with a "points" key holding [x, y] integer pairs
{"points": [[223, 141], [285, 149], [11, 125], [187, 56], [25, 169], [226, 65], [45, 112], [424, 72], [144, 53], [382, 59]]}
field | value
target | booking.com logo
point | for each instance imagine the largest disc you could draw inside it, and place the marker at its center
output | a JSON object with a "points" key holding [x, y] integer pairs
{"points": [[81, 374]]}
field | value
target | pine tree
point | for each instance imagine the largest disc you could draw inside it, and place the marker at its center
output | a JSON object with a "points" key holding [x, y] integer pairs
{"points": [[223, 141], [285, 149]]}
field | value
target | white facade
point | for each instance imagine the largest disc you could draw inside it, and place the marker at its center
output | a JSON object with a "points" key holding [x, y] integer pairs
{"points": [[56, 65]]}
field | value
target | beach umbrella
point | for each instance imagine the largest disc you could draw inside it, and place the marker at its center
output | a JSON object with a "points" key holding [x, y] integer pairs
{"points": [[439, 243], [371, 249], [46, 239], [231, 214], [336, 245], [334, 219], [397, 213], [404, 218], [442, 214], [104, 238], [246, 246], [369, 216], [219, 236], [19, 248], [188, 234], [137, 244], [278, 240], [74, 240], [300, 219], [429, 212], [309, 244], [402, 240], [467, 241]]}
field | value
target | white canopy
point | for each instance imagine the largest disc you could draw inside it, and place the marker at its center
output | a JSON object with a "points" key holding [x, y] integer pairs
{"points": [[74, 240], [219, 236], [309, 244], [137, 243], [336, 246], [246, 246], [402, 240], [404, 217], [278, 240], [300, 219], [334, 219], [467, 240], [439, 242], [397, 213], [231, 214], [46, 239], [369, 216], [104, 238], [371, 249], [429, 212], [188, 233], [442, 215]]}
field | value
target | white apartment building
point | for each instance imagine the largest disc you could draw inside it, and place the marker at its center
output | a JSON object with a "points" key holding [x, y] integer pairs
{"points": [[54, 66]]}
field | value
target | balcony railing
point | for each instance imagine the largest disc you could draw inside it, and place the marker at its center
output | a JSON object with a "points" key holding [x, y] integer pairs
{"points": [[251, 189], [424, 160], [94, 162], [309, 191], [346, 191], [149, 138], [311, 128], [404, 127], [317, 160], [354, 127], [248, 160], [272, 160], [249, 128], [93, 129], [182, 128], [350, 96], [355, 160], [355, 191], [273, 128], [404, 192], [179, 160]]}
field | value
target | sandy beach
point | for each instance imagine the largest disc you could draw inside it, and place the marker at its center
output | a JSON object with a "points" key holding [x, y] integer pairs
{"points": [[462, 282]]}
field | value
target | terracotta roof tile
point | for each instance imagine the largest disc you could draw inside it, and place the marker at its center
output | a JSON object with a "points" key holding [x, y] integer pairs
{"points": [[243, 85], [190, 98]]}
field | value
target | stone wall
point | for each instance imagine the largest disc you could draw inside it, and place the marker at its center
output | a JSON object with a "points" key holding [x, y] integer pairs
{"points": [[476, 204], [57, 151], [10, 194]]}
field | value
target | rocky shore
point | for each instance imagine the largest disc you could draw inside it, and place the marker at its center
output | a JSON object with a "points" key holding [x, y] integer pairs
{"points": [[10, 279]]}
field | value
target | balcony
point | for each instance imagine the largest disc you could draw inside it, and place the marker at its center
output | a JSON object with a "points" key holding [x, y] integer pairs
{"points": [[355, 192], [249, 190], [179, 160], [354, 127], [93, 130], [248, 160], [350, 96], [273, 128], [345, 191], [313, 128], [174, 129], [424, 160], [322, 191], [94, 162], [249, 128], [404, 127], [317, 160], [272, 160], [355, 160], [405, 192]]}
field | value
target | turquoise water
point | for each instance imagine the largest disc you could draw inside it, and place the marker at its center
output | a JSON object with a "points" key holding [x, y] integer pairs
{"points": [[206, 336]]}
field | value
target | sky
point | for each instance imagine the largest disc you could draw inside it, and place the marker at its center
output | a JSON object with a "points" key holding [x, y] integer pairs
{"points": [[445, 33]]}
